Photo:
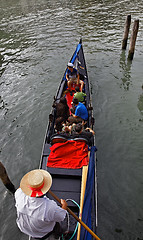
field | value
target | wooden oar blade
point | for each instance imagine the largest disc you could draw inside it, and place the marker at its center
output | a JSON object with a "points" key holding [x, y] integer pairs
{"points": [[5, 179]]}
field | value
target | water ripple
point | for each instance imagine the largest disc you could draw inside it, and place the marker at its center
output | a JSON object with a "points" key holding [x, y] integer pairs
{"points": [[37, 40]]}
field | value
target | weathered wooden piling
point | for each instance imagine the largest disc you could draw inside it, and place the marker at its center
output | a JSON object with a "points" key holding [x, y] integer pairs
{"points": [[126, 32], [133, 39], [5, 179]]}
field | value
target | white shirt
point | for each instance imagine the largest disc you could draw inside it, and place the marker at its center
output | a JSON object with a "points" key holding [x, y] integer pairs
{"points": [[37, 216]]}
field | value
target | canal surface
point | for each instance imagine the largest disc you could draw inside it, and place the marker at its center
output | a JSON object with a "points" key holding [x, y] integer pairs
{"points": [[37, 39]]}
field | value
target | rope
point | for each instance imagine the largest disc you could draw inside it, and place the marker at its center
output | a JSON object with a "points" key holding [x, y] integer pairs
{"points": [[68, 220]]}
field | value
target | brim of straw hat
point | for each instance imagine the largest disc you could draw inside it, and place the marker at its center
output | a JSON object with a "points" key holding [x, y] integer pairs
{"points": [[24, 185]]}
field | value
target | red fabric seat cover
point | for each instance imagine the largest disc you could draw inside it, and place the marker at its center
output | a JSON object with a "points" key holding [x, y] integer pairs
{"points": [[71, 154]]}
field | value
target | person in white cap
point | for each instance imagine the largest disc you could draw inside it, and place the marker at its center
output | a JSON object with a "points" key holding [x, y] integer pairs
{"points": [[72, 76], [37, 215]]}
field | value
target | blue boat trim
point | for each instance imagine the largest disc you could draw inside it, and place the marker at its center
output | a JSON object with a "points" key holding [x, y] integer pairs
{"points": [[89, 195], [76, 52]]}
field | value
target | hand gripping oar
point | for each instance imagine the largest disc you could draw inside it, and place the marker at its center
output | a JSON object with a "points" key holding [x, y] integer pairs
{"points": [[79, 220]]}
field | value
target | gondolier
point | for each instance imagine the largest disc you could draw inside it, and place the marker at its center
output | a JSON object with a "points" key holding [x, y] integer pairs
{"points": [[38, 216]]}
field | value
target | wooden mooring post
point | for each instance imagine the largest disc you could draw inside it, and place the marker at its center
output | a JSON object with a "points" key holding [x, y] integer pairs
{"points": [[133, 39], [126, 32]]}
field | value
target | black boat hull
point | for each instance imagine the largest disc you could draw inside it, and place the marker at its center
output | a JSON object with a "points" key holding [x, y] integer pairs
{"points": [[67, 182]]}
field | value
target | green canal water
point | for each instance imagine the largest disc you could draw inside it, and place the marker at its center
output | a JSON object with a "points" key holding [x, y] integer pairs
{"points": [[37, 39]]}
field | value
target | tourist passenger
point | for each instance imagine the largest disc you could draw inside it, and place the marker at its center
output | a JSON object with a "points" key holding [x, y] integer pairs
{"points": [[66, 129], [61, 128], [62, 109], [81, 113], [37, 215], [84, 133], [72, 77], [59, 124], [79, 95]]}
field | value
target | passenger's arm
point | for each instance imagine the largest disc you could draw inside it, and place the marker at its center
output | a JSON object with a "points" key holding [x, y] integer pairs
{"points": [[67, 77], [78, 79], [74, 115], [90, 130]]}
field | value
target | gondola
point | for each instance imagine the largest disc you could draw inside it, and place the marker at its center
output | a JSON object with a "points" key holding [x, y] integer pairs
{"points": [[68, 182]]}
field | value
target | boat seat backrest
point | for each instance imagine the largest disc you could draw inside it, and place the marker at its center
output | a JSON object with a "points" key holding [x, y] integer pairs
{"points": [[80, 139], [57, 140], [61, 139]]}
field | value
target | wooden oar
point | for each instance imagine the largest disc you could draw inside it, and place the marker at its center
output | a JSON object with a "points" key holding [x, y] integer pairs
{"points": [[79, 220], [83, 187], [5, 179]]}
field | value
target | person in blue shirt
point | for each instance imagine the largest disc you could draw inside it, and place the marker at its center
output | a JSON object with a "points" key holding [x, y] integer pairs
{"points": [[72, 77], [81, 113]]}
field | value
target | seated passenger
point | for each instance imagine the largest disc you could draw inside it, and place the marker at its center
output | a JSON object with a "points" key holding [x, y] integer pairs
{"points": [[66, 129], [62, 132], [79, 95], [72, 77], [81, 113], [81, 133], [58, 125], [62, 109], [62, 128]]}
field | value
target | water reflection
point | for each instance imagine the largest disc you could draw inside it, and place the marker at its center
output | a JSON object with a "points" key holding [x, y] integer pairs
{"points": [[140, 103], [36, 41], [125, 66], [1, 63]]}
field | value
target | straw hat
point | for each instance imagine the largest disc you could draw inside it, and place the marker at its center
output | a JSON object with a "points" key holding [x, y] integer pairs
{"points": [[36, 183]]}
